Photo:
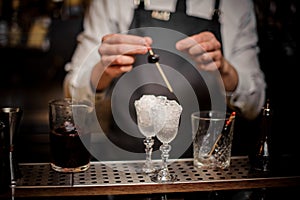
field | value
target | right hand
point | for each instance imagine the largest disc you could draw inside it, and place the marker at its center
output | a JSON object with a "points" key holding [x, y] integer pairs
{"points": [[117, 53]]}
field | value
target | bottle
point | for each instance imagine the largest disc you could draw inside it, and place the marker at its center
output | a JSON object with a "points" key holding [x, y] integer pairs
{"points": [[15, 32], [262, 160]]}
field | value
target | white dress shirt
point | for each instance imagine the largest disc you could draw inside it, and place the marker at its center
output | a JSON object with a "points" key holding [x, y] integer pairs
{"points": [[239, 38]]}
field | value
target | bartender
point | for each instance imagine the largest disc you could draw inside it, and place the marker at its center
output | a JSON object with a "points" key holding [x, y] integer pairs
{"points": [[207, 49]]}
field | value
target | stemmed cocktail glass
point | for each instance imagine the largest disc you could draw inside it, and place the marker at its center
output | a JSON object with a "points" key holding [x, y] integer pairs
{"points": [[150, 120], [166, 135]]}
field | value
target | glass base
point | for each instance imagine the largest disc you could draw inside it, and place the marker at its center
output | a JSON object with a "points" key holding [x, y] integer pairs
{"points": [[70, 170], [211, 163], [163, 179], [148, 171]]}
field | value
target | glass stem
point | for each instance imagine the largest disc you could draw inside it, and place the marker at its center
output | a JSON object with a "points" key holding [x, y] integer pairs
{"points": [[148, 141], [165, 148]]}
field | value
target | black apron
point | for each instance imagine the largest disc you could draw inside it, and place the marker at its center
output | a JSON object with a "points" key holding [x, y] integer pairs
{"points": [[142, 18], [139, 26]]}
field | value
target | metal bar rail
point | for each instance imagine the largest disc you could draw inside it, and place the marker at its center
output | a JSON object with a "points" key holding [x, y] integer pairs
{"points": [[124, 177]]}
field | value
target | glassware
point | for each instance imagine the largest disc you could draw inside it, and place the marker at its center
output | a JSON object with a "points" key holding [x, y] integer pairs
{"points": [[166, 135], [150, 120], [212, 132], [69, 135], [262, 158], [4, 162], [11, 118]]}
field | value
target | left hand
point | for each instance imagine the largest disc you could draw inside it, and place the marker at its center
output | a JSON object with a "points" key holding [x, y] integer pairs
{"points": [[204, 49]]}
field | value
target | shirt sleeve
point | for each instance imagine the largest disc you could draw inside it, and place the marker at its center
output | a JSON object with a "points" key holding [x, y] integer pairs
{"points": [[95, 25], [241, 50]]}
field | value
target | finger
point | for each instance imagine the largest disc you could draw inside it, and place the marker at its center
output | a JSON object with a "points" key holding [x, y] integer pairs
{"points": [[201, 38], [148, 41], [185, 44], [195, 50], [121, 49], [126, 39], [203, 59], [206, 58], [123, 60], [193, 40], [116, 71], [210, 66], [117, 60], [211, 45]]}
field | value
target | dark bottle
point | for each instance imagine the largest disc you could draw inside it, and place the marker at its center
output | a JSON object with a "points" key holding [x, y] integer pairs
{"points": [[4, 162], [262, 159]]}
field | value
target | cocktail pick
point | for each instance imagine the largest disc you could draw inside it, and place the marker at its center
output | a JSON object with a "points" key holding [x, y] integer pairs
{"points": [[228, 122], [154, 58]]}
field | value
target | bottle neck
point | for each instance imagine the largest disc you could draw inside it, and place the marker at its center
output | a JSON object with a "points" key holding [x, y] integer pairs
{"points": [[266, 119]]}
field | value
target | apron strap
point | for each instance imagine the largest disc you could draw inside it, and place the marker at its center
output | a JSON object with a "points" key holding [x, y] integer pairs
{"points": [[216, 12]]}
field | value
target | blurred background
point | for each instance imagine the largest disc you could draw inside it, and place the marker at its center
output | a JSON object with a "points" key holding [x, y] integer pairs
{"points": [[38, 37]]}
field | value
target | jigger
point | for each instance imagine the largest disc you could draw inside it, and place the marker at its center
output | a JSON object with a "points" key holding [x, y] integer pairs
{"points": [[11, 117]]}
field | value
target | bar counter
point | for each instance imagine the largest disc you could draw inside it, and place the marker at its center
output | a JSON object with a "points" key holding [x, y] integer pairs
{"points": [[124, 178]]}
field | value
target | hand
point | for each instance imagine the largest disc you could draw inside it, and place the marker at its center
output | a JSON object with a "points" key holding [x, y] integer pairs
{"points": [[205, 50], [117, 53]]}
